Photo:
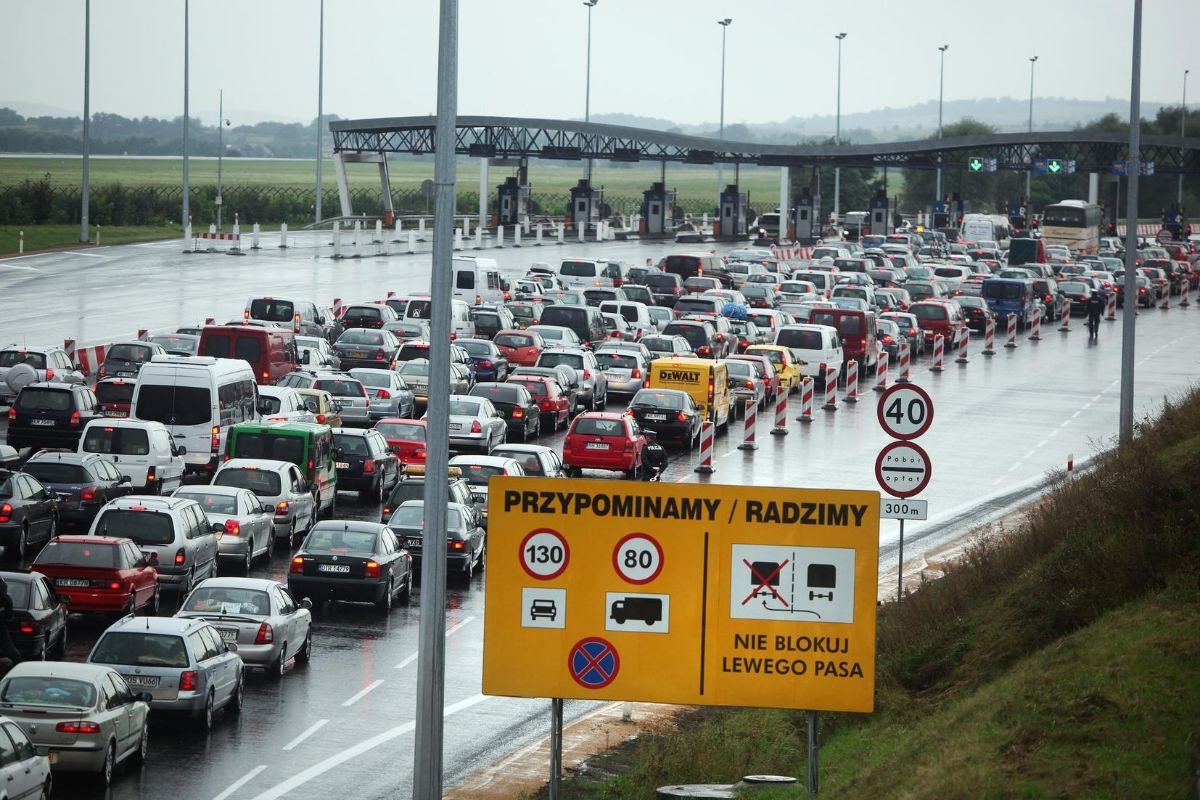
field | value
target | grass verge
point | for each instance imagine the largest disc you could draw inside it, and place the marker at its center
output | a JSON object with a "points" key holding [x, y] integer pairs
{"points": [[48, 237], [1060, 659]]}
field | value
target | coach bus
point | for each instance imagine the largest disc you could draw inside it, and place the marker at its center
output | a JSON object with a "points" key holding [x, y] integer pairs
{"points": [[1073, 223]]}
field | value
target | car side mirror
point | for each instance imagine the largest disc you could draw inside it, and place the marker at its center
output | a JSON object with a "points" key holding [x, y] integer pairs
{"points": [[395, 449], [306, 603], [268, 508], [304, 356], [77, 367], [144, 697], [151, 558], [64, 599], [217, 527], [231, 647], [126, 479]]}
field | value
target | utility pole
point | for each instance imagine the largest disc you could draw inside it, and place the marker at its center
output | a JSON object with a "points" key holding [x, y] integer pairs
{"points": [[320, 104], [837, 137], [1129, 319], [941, 94], [187, 211], [1029, 172], [87, 119]]}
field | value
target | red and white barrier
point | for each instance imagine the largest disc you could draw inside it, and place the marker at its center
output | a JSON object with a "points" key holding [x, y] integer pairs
{"points": [[806, 399], [830, 387], [210, 320], [750, 422], [1036, 335], [1070, 464], [141, 334], [706, 447], [89, 358], [939, 353], [1183, 293], [1012, 332], [1166, 303], [338, 308], [905, 367], [1110, 307], [881, 373], [851, 395], [1065, 315], [781, 401], [964, 338], [989, 337]]}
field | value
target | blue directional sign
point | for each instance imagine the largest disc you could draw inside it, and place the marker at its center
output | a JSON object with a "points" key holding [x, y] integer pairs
{"points": [[1122, 168], [1053, 166], [977, 164]]}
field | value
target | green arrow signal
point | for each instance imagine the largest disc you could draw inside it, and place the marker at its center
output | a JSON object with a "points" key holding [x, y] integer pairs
{"points": [[1054, 165], [976, 165]]}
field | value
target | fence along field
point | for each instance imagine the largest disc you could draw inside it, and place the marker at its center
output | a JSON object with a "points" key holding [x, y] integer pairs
{"points": [[147, 191]]}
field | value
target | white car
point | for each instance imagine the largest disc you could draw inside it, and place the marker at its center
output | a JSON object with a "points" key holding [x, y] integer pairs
{"points": [[478, 469], [316, 353], [276, 482], [145, 451], [283, 404], [812, 346]]}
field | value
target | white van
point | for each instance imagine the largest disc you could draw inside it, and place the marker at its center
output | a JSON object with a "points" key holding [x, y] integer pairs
{"points": [[985, 228], [580, 273], [636, 314], [811, 346], [420, 307], [824, 281], [477, 280], [198, 398], [145, 451], [302, 316]]}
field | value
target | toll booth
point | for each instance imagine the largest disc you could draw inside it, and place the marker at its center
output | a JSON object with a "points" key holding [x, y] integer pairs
{"points": [[585, 203], [958, 207], [513, 202], [881, 213], [1017, 217], [1173, 221], [806, 225], [658, 209], [939, 215], [731, 219]]}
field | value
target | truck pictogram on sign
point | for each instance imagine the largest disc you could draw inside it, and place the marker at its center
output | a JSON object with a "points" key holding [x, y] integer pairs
{"points": [[637, 613]]}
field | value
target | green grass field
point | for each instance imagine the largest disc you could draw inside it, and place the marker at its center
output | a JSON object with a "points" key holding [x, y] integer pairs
{"points": [[41, 237]]}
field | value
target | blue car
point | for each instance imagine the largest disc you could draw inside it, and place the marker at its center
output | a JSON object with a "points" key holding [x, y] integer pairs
{"points": [[489, 364]]}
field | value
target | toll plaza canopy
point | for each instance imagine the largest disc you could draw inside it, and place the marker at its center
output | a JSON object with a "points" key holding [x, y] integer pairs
{"points": [[520, 138]]}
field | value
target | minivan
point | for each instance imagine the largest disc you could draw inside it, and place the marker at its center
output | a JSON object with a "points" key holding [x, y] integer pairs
{"points": [[477, 280], [577, 273], [585, 321], [857, 332], [420, 307], [1006, 296], [636, 314], [688, 265], [301, 316], [939, 317], [144, 451], [270, 352], [812, 346]]}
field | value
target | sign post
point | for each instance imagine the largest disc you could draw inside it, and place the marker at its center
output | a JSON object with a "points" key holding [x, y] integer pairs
{"points": [[902, 468]]}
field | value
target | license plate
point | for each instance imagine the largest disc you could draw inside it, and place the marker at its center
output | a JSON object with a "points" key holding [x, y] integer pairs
{"points": [[116, 413], [358, 354], [597, 446], [49, 423], [479, 498], [657, 417], [124, 374], [77, 582], [227, 635], [341, 464], [150, 681], [454, 426], [333, 568]]}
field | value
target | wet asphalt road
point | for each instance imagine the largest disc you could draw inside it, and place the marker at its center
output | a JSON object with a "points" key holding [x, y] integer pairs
{"points": [[346, 720]]}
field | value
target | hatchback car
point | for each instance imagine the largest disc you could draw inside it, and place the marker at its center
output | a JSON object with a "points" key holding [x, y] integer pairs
{"points": [[125, 359], [246, 523], [747, 386], [478, 470], [412, 487], [365, 463], [352, 560], [390, 395], [50, 415], [465, 539], [260, 616], [488, 360], [405, 437], [536, 460], [624, 369], [279, 483], [600, 440], [99, 721], [554, 405], [21, 365], [519, 408], [556, 335], [670, 413], [764, 369], [976, 312], [365, 347], [38, 625], [28, 514], [521, 348], [114, 396], [101, 574], [182, 663], [82, 482], [663, 346], [593, 383]]}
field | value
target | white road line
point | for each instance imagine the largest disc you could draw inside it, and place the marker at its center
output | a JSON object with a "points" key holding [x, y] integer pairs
{"points": [[242, 781], [407, 661], [85, 255], [20, 267], [370, 688], [459, 626], [294, 743], [321, 767], [1076, 414]]}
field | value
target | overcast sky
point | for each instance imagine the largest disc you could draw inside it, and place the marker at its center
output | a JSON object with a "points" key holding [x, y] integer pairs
{"points": [[527, 57]]}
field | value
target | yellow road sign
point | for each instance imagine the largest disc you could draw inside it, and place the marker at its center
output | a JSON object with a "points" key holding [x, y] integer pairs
{"points": [[675, 593]]}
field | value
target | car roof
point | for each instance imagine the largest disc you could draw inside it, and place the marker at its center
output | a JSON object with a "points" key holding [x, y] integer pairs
{"points": [[148, 501], [609, 415], [485, 461], [354, 525], [266, 464], [60, 669], [513, 447], [155, 624], [63, 456], [211, 488], [240, 583], [81, 538]]}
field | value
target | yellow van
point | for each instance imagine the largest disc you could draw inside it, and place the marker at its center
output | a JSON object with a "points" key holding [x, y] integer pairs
{"points": [[707, 381]]}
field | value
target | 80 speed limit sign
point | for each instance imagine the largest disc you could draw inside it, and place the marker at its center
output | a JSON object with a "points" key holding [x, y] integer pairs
{"points": [[905, 411], [638, 558]]}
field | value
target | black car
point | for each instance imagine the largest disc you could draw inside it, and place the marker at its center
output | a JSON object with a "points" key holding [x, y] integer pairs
{"points": [[1078, 293], [760, 295], [83, 482], [125, 359], [670, 413], [490, 320], [464, 537], [976, 312], [666, 287], [364, 462], [366, 347], [38, 626], [28, 513], [700, 335], [514, 401], [490, 364], [51, 415], [351, 560]]}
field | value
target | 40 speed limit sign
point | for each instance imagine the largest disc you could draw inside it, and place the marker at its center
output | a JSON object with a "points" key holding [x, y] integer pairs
{"points": [[905, 411]]}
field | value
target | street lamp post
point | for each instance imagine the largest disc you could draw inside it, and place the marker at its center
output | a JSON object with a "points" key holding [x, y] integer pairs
{"points": [[87, 118], [320, 102], [724, 23], [222, 123], [1182, 130], [837, 171], [1029, 172], [187, 211], [941, 94], [587, 92]]}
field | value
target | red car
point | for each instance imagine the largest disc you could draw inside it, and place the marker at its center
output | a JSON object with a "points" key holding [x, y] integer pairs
{"points": [[407, 436], [520, 347], [939, 316], [114, 396], [104, 574], [603, 440], [555, 406]]}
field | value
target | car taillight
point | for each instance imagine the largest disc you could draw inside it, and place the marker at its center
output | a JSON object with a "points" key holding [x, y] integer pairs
{"points": [[372, 569], [456, 544], [75, 420], [87, 494], [12, 415], [419, 454], [485, 364], [368, 466], [102, 372], [233, 527], [216, 438], [266, 634], [681, 417], [545, 404], [281, 508], [749, 385], [151, 474], [383, 394], [82, 727], [189, 681], [635, 373], [518, 413], [49, 374], [379, 355], [180, 557], [6, 512], [266, 375], [704, 351], [321, 419], [27, 627], [297, 566], [476, 427]]}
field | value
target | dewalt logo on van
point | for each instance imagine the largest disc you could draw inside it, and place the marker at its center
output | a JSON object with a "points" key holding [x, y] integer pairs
{"points": [[679, 376]]}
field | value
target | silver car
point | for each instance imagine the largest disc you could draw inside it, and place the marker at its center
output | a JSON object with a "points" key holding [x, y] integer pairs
{"points": [[390, 395], [416, 376], [182, 663], [625, 369], [244, 524], [316, 353], [40, 695], [594, 385], [260, 616], [349, 395], [279, 483], [743, 379], [475, 424]]}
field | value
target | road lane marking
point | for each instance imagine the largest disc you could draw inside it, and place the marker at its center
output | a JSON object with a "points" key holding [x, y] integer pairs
{"points": [[370, 688], [86, 255], [249, 776], [294, 743], [407, 661], [321, 767], [459, 626]]}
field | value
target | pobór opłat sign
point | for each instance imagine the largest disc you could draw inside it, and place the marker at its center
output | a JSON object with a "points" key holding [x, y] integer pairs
{"points": [[669, 593]]}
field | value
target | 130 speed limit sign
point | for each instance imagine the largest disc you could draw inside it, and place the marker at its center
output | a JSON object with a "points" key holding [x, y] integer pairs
{"points": [[544, 554], [905, 411]]}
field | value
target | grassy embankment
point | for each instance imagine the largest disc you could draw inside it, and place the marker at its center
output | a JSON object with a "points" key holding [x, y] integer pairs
{"points": [[44, 237], [1060, 659]]}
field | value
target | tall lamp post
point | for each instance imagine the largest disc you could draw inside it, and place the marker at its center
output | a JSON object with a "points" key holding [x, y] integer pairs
{"points": [[222, 124], [87, 118], [1029, 172], [724, 23], [1182, 130], [837, 171], [941, 94], [320, 102], [587, 92], [187, 210]]}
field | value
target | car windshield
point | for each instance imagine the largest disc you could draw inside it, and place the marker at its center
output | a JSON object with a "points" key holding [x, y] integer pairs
{"points": [[264, 483], [464, 408], [129, 352], [31, 690], [77, 554], [351, 444], [114, 392], [649, 397], [529, 462], [341, 388], [929, 313], [553, 359], [478, 474], [174, 405], [410, 369], [211, 503], [595, 426], [11, 358], [513, 340], [270, 446], [800, 339], [339, 540], [361, 336], [144, 527], [376, 378], [534, 387], [402, 432], [695, 334], [480, 349], [228, 600], [616, 360], [141, 650], [498, 392], [32, 399], [270, 310], [408, 517], [55, 472], [119, 441]]}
